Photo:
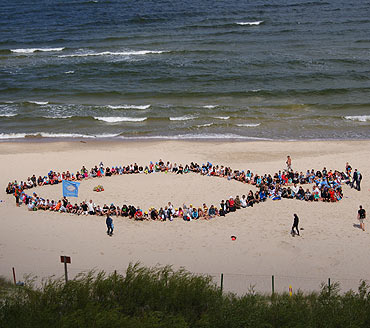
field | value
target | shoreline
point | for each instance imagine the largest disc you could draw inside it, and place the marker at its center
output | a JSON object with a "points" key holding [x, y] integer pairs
{"points": [[165, 139]]}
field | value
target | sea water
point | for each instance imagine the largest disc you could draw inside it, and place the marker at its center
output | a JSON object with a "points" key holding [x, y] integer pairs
{"points": [[245, 70]]}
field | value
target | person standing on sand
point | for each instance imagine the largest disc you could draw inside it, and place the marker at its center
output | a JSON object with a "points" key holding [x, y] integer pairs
{"points": [[295, 225], [109, 223], [358, 181], [354, 179], [361, 216], [289, 163], [17, 192]]}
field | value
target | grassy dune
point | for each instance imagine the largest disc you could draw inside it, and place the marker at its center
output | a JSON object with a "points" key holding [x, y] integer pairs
{"points": [[162, 297]]}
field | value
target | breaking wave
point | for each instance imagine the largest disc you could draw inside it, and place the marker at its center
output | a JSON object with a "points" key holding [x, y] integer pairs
{"points": [[120, 119]]}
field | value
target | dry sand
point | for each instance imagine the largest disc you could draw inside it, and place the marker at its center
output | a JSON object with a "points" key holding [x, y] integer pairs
{"points": [[330, 245]]}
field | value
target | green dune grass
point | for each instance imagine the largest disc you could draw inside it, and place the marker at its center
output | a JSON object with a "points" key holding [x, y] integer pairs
{"points": [[162, 297]]}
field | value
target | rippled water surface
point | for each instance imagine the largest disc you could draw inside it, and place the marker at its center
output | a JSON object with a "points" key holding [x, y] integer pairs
{"points": [[197, 69]]}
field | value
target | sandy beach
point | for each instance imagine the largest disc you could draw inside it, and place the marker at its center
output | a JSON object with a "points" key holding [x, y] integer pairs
{"points": [[330, 245]]}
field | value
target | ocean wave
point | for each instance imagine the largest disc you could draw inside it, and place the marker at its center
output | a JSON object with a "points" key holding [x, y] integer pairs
{"points": [[183, 118], [120, 119], [53, 135], [222, 117], [119, 53], [58, 116], [209, 136], [360, 118], [8, 115], [204, 125], [210, 106], [38, 102], [31, 50], [129, 106], [248, 125], [250, 23], [69, 72]]}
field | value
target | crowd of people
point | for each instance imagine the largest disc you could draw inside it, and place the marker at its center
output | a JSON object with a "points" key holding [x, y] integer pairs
{"points": [[312, 186]]}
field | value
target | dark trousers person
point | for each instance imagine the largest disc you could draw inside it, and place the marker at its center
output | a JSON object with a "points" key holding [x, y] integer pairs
{"points": [[358, 182], [295, 225], [109, 223], [110, 230]]}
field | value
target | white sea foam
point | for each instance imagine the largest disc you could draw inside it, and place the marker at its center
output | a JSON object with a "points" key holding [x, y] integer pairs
{"points": [[248, 125], [4, 136], [38, 102], [204, 125], [210, 106], [129, 106], [53, 135], [12, 135], [8, 115], [183, 118], [250, 23], [59, 116], [360, 118], [120, 119], [222, 117], [198, 136], [118, 53], [31, 50], [69, 72]]}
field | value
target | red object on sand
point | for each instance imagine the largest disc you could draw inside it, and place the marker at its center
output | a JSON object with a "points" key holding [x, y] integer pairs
{"points": [[233, 238]]}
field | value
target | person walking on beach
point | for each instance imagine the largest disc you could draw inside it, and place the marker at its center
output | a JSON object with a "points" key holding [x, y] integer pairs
{"points": [[295, 225], [361, 216], [289, 163], [109, 222]]}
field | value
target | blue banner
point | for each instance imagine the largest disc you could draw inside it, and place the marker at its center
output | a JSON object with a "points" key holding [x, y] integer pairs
{"points": [[70, 188]]}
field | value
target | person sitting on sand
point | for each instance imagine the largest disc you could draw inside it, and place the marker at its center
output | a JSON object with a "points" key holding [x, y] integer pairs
{"points": [[308, 196], [138, 214], [243, 202], [300, 193], [161, 214], [201, 215], [205, 211], [194, 214], [131, 211], [295, 190], [124, 210], [154, 214], [237, 202], [250, 198], [223, 206], [186, 214], [212, 212], [91, 207], [232, 204], [262, 195]]}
